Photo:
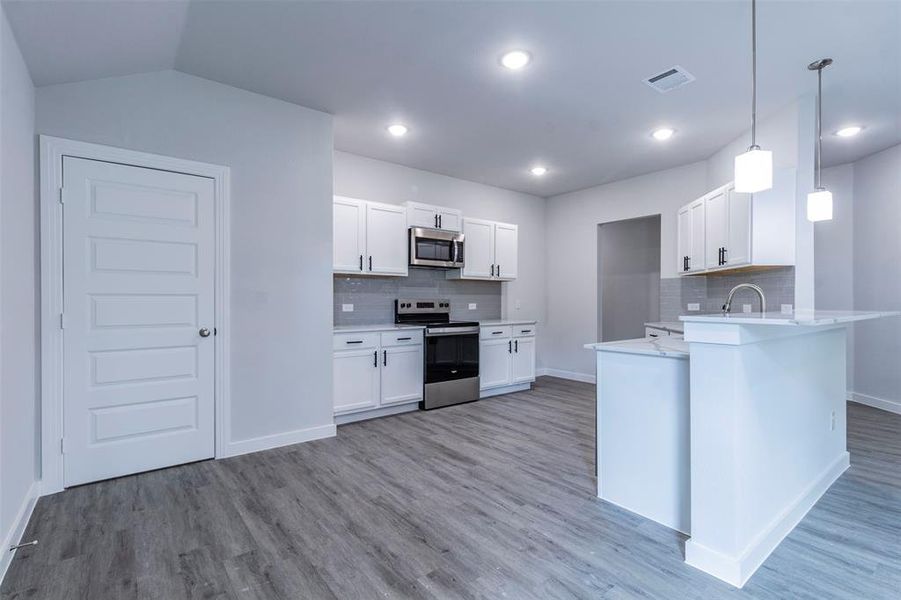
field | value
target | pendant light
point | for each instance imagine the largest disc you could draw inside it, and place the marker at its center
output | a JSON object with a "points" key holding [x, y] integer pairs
{"points": [[754, 168], [819, 201]]}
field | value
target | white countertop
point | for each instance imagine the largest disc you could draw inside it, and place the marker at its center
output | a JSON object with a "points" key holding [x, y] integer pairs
{"points": [[502, 322], [808, 318], [675, 326], [665, 346], [383, 327]]}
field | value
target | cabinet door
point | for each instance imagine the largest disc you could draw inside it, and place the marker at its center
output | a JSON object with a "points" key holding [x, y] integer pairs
{"points": [[696, 256], [495, 363], [355, 374], [449, 220], [523, 360], [683, 224], [386, 239], [716, 228], [478, 248], [349, 234], [738, 245], [505, 251], [402, 370], [422, 215]]}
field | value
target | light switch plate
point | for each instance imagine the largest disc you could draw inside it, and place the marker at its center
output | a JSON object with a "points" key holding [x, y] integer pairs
{"points": [[745, 308], [787, 309], [518, 304], [473, 306], [694, 306], [347, 308]]}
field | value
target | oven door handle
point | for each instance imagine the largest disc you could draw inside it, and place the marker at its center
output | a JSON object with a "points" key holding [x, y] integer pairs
{"points": [[453, 331]]}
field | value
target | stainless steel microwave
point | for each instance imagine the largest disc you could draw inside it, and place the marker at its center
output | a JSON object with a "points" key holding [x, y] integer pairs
{"points": [[436, 248]]}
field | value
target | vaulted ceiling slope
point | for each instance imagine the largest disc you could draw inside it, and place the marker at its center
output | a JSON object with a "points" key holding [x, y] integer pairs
{"points": [[580, 108]]}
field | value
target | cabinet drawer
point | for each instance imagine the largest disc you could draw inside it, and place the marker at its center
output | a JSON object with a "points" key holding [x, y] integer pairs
{"points": [[495, 333], [351, 341], [523, 330], [654, 332], [402, 338]]}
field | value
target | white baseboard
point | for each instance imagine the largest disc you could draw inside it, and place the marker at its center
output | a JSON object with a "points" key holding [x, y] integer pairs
{"points": [[571, 375], [736, 570], [15, 533], [892, 406], [267, 442], [507, 389]]}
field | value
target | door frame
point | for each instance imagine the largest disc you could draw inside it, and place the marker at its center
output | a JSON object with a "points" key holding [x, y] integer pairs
{"points": [[52, 152]]}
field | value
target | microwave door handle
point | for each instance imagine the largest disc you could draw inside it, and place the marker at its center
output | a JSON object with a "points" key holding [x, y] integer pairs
{"points": [[454, 251]]}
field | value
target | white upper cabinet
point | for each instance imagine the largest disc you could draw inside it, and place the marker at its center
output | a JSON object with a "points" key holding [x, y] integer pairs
{"points": [[725, 229], [369, 238], [490, 251], [386, 239], [349, 230], [433, 217], [505, 251]]}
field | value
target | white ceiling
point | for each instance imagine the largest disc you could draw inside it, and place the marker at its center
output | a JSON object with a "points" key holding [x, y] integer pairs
{"points": [[580, 108]]}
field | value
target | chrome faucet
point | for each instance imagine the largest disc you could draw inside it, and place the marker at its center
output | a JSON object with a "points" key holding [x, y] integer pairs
{"points": [[727, 307]]}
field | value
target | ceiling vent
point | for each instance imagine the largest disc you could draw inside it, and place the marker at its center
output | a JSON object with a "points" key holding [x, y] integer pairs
{"points": [[670, 79]]}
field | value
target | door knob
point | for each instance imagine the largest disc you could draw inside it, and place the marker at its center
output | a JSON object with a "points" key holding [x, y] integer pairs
{"points": [[204, 332]]}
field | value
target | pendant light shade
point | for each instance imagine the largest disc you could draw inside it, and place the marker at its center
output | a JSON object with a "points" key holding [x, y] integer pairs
{"points": [[819, 206], [819, 201], [754, 171], [754, 168]]}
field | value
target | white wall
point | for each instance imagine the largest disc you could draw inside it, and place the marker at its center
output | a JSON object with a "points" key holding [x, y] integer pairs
{"points": [[877, 275], [280, 156], [370, 179], [571, 271], [19, 440], [834, 244]]}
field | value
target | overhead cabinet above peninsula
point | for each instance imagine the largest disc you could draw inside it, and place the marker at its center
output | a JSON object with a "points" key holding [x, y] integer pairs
{"points": [[725, 230]]}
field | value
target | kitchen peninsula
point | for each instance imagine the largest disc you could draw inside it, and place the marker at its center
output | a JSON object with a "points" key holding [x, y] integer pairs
{"points": [[766, 431]]}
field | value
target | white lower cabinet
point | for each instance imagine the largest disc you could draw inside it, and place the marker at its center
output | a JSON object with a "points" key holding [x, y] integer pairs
{"points": [[506, 356], [373, 370]]}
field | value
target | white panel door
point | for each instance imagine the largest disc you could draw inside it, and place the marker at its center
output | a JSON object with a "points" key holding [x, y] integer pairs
{"points": [[138, 288], [505, 251], [495, 363], [523, 360], [355, 374], [696, 256], [402, 371], [349, 234], [386, 239], [716, 228], [478, 248], [683, 221], [738, 246]]}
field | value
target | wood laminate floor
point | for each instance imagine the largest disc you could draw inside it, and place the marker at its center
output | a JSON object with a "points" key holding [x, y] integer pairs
{"points": [[487, 500]]}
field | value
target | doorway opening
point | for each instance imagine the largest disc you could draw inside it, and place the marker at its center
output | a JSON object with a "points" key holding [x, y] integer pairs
{"points": [[628, 277]]}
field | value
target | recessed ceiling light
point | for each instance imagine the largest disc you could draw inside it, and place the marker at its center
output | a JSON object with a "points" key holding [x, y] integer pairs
{"points": [[516, 59], [849, 131], [663, 134], [397, 130], [538, 170]]}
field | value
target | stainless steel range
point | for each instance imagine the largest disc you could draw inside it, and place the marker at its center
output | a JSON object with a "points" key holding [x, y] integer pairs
{"points": [[451, 352]]}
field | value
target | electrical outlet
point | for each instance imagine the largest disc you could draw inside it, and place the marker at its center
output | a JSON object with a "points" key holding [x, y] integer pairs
{"points": [[832, 423], [745, 308], [787, 309], [473, 306], [694, 306], [347, 308]]}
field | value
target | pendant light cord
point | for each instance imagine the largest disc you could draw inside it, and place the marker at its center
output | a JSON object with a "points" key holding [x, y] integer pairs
{"points": [[819, 126], [753, 74]]}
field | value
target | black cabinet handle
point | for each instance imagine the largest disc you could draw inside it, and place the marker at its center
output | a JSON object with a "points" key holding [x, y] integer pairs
{"points": [[385, 358], [354, 342], [525, 331], [370, 263], [436, 221], [498, 270], [361, 262], [496, 332], [404, 339], [439, 222], [516, 346], [375, 359], [724, 255], [492, 270], [510, 347]]}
